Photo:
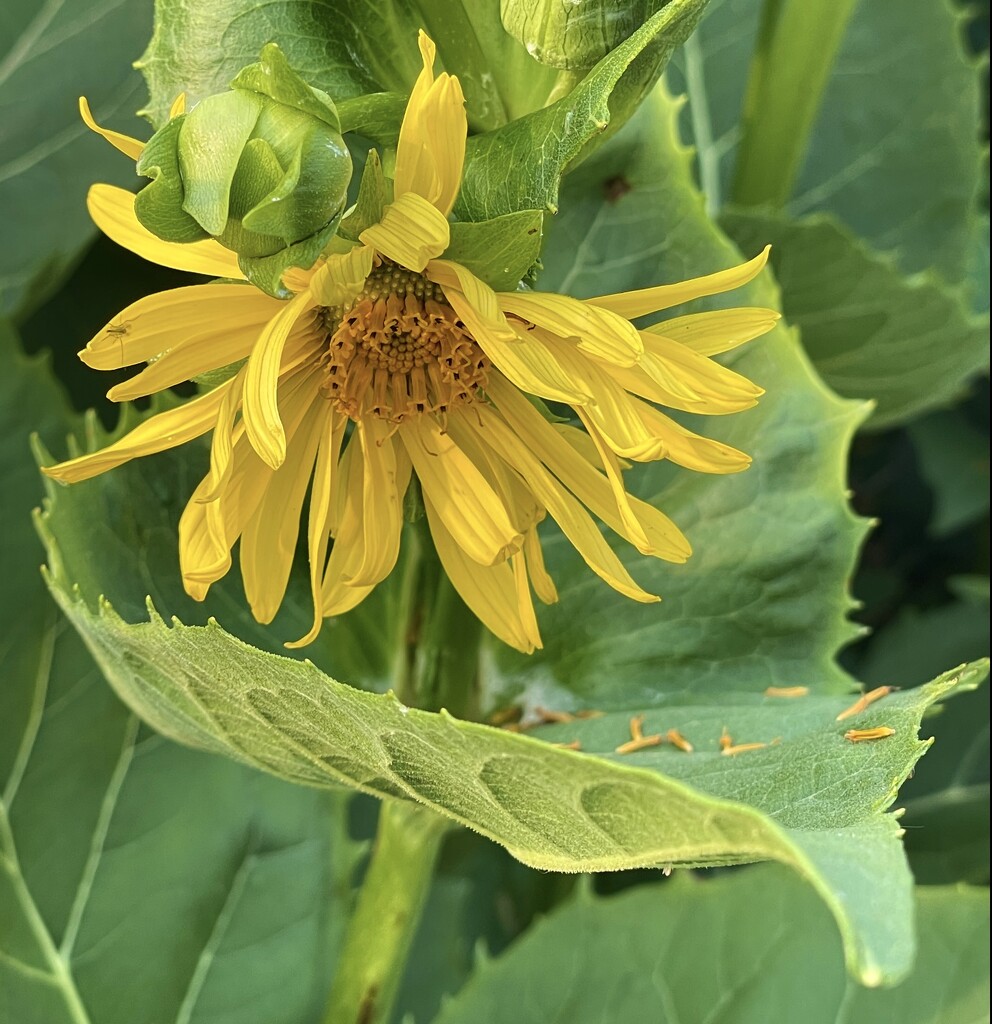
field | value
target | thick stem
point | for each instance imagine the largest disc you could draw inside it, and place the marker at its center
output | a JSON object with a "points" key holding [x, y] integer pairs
{"points": [[390, 903], [796, 47]]}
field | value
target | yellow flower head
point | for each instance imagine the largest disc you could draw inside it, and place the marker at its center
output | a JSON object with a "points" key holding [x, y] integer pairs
{"points": [[390, 361]]}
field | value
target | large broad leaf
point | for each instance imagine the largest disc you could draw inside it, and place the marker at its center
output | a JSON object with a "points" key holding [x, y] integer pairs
{"points": [[750, 947], [139, 880], [908, 344], [50, 54], [763, 599], [898, 129]]}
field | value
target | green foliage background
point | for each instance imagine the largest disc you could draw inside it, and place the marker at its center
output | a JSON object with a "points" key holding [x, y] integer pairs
{"points": [[141, 880]]}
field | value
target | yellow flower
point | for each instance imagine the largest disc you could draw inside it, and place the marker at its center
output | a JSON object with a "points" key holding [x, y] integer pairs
{"points": [[390, 361]]}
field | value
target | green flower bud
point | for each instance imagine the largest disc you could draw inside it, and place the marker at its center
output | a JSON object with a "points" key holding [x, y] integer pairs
{"points": [[262, 169]]}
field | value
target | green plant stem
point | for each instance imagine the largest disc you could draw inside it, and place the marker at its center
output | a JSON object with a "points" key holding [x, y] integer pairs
{"points": [[797, 44], [390, 903]]}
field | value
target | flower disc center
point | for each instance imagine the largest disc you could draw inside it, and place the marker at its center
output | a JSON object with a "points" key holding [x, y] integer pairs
{"points": [[401, 349]]}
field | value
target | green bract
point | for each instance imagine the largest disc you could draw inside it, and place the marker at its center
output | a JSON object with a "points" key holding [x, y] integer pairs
{"points": [[262, 168]]}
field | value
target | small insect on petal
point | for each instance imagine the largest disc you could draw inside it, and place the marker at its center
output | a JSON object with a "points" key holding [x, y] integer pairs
{"points": [[679, 741], [638, 741], [865, 700], [861, 735], [787, 691]]}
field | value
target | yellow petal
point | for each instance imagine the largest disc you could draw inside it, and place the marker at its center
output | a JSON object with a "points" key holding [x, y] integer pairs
{"points": [[598, 332], [222, 443], [260, 405], [341, 276], [112, 210], [411, 233], [269, 540], [544, 585], [466, 503], [664, 296], [673, 375], [478, 304], [693, 451], [489, 590], [195, 315], [128, 146], [178, 106], [385, 480], [430, 153], [348, 527], [558, 447], [203, 558], [575, 523], [318, 524], [166, 430], [718, 330]]}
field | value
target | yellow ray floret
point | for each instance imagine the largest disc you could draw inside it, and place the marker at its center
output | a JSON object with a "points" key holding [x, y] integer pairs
{"points": [[391, 362]]}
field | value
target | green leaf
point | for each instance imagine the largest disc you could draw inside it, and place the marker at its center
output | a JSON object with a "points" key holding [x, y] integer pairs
{"points": [[51, 54], [373, 195], [519, 166], [898, 129], [140, 881], [551, 808], [749, 947], [909, 344], [763, 599], [954, 460], [500, 251]]}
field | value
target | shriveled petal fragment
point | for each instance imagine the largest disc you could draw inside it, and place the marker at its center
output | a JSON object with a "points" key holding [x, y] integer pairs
{"points": [[664, 296], [166, 430], [341, 276], [260, 403], [411, 233], [466, 503], [597, 331], [129, 146], [178, 106], [430, 153], [490, 591], [112, 210], [718, 330], [194, 315]]}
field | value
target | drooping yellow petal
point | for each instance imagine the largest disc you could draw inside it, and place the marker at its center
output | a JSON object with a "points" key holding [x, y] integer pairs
{"points": [[203, 558], [466, 503], [572, 463], [540, 578], [260, 404], [341, 276], [129, 146], [718, 330], [222, 442], [184, 362], [348, 526], [673, 375], [411, 233], [478, 304], [112, 210], [664, 296], [430, 153], [318, 524], [385, 480], [269, 540], [598, 332], [489, 590], [525, 603], [194, 315], [693, 451], [166, 430], [573, 519]]}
